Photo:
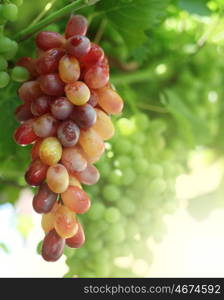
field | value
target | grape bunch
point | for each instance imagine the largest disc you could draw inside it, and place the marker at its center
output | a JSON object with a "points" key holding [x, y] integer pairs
{"points": [[9, 47], [65, 115]]}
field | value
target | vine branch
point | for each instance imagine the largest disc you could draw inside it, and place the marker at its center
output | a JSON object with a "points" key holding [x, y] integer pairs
{"points": [[76, 5]]}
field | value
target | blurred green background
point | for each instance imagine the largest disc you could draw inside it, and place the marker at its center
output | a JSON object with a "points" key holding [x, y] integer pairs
{"points": [[163, 169]]}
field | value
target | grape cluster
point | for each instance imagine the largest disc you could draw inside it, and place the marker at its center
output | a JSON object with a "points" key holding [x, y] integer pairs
{"points": [[65, 115], [136, 191], [9, 47]]}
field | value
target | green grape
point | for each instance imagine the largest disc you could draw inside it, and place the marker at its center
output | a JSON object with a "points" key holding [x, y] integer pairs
{"points": [[17, 2], [158, 126], [101, 257], [137, 151], [12, 51], [142, 121], [116, 233], [4, 79], [140, 165], [126, 206], [169, 169], [94, 245], [96, 212], [3, 64], [123, 146], [20, 74], [157, 186], [105, 169], [111, 193], [139, 137], [132, 229], [123, 161], [115, 177], [129, 176], [102, 270], [5, 44], [112, 215], [10, 12], [126, 126], [155, 170]]}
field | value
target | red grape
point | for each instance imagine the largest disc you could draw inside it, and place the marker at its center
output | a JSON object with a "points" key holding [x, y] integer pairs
{"points": [[78, 239], [30, 91], [65, 222], [29, 64], [61, 108], [68, 133], [77, 25], [47, 221], [45, 126], [48, 62], [41, 105], [44, 199], [76, 199], [23, 113], [94, 56], [69, 69], [97, 76], [84, 116], [88, 176], [36, 173], [35, 149], [93, 100], [53, 246], [78, 45], [51, 84], [73, 159], [46, 40], [24, 134], [57, 178]]}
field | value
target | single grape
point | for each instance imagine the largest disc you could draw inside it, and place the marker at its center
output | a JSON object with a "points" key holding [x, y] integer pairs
{"points": [[29, 64], [61, 108], [93, 57], [20, 74], [69, 69], [47, 40], [110, 101], [36, 173], [103, 126], [41, 106], [57, 178], [84, 116], [65, 222], [93, 100], [4, 79], [24, 134], [68, 133], [78, 239], [112, 215], [30, 91], [76, 199], [92, 144], [47, 221], [5, 44], [53, 246], [35, 152], [48, 62], [78, 45], [129, 176], [73, 159], [10, 54], [90, 175], [97, 76], [77, 25], [45, 126], [157, 186], [78, 92], [17, 2], [23, 113], [50, 151], [116, 234], [3, 64], [111, 193], [44, 199], [10, 12], [51, 84]]}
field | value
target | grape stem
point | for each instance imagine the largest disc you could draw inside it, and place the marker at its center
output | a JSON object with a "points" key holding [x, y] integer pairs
{"points": [[76, 5]]}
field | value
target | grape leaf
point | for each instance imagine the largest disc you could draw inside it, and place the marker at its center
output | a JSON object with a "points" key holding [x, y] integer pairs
{"points": [[132, 18]]}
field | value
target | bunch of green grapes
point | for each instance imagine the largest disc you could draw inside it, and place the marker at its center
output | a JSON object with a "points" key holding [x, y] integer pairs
{"points": [[9, 47], [136, 190]]}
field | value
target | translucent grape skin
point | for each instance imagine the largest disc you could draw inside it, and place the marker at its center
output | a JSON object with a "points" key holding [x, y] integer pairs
{"points": [[97, 76], [76, 199], [45, 126], [92, 144], [57, 178], [44, 199], [84, 116], [73, 159], [78, 46], [51, 84], [94, 56], [23, 113], [41, 105], [78, 92], [103, 126], [30, 91], [47, 221], [68, 133], [61, 108], [77, 25], [110, 101], [35, 149], [29, 64], [53, 246], [46, 40], [73, 181], [69, 69], [78, 240], [93, 100], [50, 151], [36, 173], [89, 176], [24, 134], [65, 222], [48, 62]]}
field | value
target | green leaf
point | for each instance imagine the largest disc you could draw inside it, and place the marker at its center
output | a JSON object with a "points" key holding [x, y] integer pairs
{"points": [[198, 7], [132, 18]]}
